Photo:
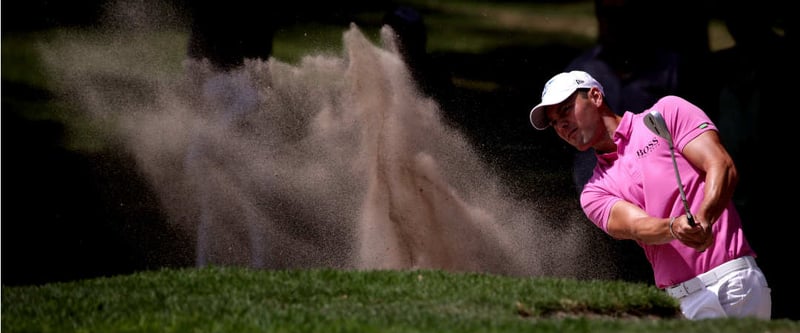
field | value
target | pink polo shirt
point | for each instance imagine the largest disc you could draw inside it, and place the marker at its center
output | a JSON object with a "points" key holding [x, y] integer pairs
{"points": [[641, 172]]}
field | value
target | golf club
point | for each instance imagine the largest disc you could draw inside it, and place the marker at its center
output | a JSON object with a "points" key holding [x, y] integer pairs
{"points": [[655, 122]]}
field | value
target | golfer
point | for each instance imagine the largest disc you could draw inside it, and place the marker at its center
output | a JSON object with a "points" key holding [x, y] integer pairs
{"points": [[633, 194]]}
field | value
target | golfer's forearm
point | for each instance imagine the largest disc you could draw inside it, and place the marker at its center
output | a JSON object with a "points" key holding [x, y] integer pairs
{"points": [[721, 182], [645, 229], [654, 231]]}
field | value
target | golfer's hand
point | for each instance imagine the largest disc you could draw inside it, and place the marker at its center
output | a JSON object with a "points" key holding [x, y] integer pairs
{"points": [[698, 237]]}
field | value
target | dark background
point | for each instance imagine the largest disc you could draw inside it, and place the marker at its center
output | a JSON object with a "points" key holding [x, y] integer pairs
{"points": [[102, 218]]}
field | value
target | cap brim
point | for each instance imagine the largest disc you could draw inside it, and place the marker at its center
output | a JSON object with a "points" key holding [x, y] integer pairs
{"points": [[538, 117]]}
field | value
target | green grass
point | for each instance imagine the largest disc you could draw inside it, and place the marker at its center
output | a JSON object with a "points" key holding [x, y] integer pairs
{"points": [[227, 299]]}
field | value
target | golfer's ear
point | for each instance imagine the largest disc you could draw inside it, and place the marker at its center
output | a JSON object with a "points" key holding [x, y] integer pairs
{"points": [[595, 96]]}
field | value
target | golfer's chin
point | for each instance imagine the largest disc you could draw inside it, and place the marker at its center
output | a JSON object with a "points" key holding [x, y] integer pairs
{"points": [[581, 146]]}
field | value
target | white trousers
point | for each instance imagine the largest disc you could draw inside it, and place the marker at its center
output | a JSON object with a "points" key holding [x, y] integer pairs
{"points": [[741, 293]]}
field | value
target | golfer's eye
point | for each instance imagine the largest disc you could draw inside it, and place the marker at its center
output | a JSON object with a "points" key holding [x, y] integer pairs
{"points": [[560, 113], [554, 121]]}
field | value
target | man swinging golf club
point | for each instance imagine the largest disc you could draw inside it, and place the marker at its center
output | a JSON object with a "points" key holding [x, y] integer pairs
{"points": [[689, 229]]}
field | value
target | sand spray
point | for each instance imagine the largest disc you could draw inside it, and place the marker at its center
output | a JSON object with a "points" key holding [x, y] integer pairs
{"points": [[335, 161]]}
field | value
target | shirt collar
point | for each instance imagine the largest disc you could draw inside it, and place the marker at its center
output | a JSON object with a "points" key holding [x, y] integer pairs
{"points": [[624, 129]]}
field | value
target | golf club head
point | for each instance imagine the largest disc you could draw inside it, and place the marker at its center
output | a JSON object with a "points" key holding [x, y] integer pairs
{"points": [[655, 122]]}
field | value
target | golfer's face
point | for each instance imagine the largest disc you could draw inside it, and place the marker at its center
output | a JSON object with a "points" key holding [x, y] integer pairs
{"points": [[563, 119]]}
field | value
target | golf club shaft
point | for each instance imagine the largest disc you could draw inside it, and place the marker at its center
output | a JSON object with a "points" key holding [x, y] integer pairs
{"points": [[689, 216], [656, 124]]}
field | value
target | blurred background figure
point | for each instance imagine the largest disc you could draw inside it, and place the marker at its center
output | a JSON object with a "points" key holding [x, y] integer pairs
{"points": [[412, 37], [646, 50], [756, 78], [752, 78], [227, 32], [432, 78]]}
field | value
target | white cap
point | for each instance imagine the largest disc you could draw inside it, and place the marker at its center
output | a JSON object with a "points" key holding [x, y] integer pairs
{"points": [[557, 89]]}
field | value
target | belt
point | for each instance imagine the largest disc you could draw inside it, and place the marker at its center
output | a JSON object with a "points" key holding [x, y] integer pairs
{"points": [[708, 278]]}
